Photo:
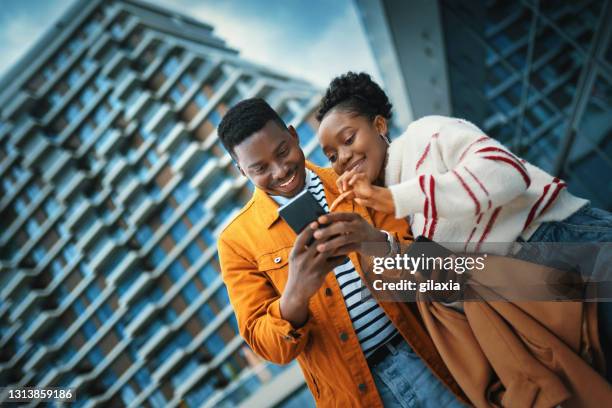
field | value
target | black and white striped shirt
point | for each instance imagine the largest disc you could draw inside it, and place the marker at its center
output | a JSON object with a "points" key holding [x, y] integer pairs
{"points": [[372, 326]]}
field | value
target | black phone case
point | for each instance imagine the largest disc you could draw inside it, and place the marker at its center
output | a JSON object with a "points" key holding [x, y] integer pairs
{"points": [[301, 211]]}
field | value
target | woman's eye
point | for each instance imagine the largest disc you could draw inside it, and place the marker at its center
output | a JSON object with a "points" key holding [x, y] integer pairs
{"points": [[332, 158], [350, 140], [259, 170]]}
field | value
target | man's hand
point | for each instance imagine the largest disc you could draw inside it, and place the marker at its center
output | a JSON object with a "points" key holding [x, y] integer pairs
{"points": [[307, 270], [365, 194], [345, 233]]}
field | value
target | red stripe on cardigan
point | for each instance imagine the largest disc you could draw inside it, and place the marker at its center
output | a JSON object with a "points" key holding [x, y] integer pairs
{"points": [[469, 191], [554, 195], [434, 210], [535, 206], [426, 205], [467, 149], [480, 184], [488, 227], [422, 159], [499, 150], [511, 162]]}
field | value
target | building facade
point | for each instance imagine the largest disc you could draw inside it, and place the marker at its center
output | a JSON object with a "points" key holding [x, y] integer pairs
{"points": [[114, 188], [536, 75]]}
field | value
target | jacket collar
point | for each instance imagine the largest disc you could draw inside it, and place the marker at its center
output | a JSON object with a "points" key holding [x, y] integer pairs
{"points": [[267, 208]]}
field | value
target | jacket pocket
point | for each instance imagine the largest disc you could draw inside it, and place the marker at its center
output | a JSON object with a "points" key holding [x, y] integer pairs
{"points": [[275, 265]]}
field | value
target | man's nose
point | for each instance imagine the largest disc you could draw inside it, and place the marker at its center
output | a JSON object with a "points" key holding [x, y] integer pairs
{"points": [[280, 171]]}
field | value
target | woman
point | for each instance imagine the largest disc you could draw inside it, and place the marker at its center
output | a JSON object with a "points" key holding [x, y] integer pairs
{"points": [[456, 184]]}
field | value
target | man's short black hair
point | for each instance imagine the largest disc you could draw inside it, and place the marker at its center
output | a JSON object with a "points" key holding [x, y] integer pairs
{"points": [[244, 119]]}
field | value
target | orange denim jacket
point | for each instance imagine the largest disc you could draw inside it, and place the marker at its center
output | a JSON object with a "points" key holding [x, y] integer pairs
{"points": [[254, 251]]}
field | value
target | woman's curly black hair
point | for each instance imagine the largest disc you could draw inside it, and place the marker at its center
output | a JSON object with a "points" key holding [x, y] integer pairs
{"points": [[355, 93]]}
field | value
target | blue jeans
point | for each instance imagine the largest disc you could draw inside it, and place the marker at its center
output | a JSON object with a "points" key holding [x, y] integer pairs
{"points": [[587, 225], [403, 380]]}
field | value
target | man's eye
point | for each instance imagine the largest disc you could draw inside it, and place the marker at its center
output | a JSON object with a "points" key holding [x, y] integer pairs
{"points": [[350, 140], [283, 152]]}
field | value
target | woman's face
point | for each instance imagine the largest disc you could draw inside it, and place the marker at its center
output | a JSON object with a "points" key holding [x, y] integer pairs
{"points": [[351, 141]]}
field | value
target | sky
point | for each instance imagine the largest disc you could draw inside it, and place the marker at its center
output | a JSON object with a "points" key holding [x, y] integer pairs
{"points": [[314, 40]]}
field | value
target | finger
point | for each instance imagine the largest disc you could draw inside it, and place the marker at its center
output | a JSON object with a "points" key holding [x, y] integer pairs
{"points": [[333, 244], [357, 177], [337, 216], [346, 249], [334, 229], [366, 202], [344, 196], [303, 238]]}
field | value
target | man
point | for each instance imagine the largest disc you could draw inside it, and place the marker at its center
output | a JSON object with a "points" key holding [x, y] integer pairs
{"points": [[305, 302]]}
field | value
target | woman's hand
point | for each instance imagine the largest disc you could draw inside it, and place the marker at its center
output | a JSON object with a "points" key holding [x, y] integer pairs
{"points": [[367, 195]]}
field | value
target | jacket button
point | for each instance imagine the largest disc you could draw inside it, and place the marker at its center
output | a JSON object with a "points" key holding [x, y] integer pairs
{"points": [[362, 387], [343, 336], [328, 292], [277, 259]]}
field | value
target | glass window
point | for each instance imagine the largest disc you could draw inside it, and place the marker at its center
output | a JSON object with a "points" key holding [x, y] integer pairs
{"points": [[182, 191], [157, 255], [175, 94], [208, 274], [318, 157], [170, 66], [143, 234], [128, 394], [193, 253], [201, 100], [166, 213], [179, 231], [214, 118], [176, 271], [206, 313], [190, 292], [305, 133], [214, 344], [195, 213]]}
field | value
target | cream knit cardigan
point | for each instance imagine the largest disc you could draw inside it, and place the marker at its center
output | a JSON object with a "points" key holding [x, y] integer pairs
{"points": [[460, 186]]}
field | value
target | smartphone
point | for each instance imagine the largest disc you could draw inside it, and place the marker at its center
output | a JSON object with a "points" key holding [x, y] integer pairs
{"points": [[301, 210]]}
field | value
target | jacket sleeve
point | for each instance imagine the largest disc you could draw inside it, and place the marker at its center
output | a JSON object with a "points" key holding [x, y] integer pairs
{"points": [[257, 307], [479, 174]]}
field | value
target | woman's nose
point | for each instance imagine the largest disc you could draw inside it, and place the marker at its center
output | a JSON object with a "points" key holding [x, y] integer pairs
{"points": [[344, 157]]}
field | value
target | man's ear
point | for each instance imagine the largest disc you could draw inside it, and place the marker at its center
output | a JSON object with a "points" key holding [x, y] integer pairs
{"points": [[380, 123], [293, 133], [237, 165]]}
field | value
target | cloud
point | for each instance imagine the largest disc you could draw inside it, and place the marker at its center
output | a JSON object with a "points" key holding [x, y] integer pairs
{"points": [[22, 23], [18, 34], [317, 54]]}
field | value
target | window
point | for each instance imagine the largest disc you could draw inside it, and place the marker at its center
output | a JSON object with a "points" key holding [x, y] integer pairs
{"points": [[157, 255], [214, 118], [179, 231], [305, 133], [193, 253], [143, 234], [170, 66], [190, 292], [201, 100], [214, 344], [176, 271], [208, 274], [181, 192]]}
